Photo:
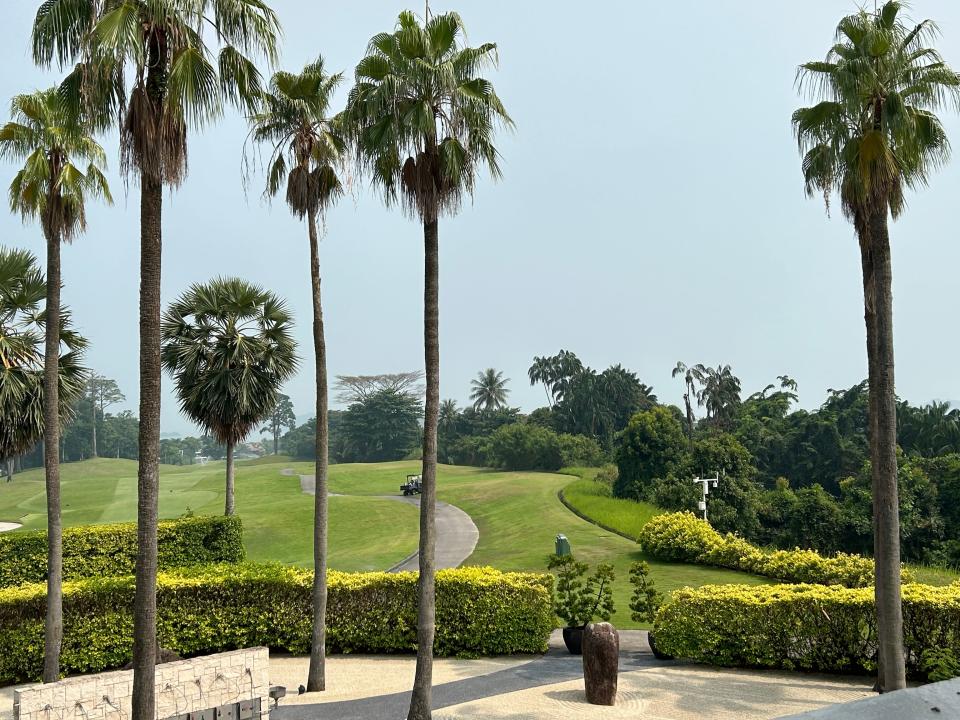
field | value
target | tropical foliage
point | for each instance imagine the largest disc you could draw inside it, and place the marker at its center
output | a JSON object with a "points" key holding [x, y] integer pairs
{"points": [[22, 318]]}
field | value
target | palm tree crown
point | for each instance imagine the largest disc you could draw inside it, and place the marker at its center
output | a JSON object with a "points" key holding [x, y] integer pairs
{"points": [[62, 164], [180, 77], [489, 390], [229, 347], [874, 132], [22, 321], [307, 143], [423, 118]]}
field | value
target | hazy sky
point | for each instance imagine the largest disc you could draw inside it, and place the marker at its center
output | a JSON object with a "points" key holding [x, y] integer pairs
{"points": [[651, 210]]}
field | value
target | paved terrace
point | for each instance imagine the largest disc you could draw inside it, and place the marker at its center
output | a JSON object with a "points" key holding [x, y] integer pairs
{"points": [[551, 686]]}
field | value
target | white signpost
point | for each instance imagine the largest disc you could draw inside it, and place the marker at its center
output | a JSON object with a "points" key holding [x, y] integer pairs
{"points": [[705, 485]]}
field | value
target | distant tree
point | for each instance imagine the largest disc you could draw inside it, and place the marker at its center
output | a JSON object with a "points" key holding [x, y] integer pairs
{"points": [[489, 390], [120, 434], [357, 388], [555, 372], [102, 393], [524, 447], [229, 347], [281, 417], [720, 394], [383, 426], [653, 445], [691, 376]]}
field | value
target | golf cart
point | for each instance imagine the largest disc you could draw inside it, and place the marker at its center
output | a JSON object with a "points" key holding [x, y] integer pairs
{"points": [[412, 485]]}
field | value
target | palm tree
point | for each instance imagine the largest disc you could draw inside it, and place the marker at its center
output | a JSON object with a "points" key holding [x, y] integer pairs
{"points": [[228, 346], [307, 149], [691, 376], [424, 122], [720, 393], [62, 166], [489, 390], [22, 345], [179, 81], [871, 135], [542, 371]]}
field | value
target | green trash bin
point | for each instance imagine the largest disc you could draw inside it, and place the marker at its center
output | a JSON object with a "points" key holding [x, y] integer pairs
{"points": [[562, 545]]}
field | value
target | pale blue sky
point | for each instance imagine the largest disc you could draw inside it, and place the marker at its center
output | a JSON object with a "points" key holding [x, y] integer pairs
{"points": [[652, 210]]}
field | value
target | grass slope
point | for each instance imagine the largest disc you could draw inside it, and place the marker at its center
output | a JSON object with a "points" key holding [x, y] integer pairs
{"points": [[518, 515], [365, 533]]}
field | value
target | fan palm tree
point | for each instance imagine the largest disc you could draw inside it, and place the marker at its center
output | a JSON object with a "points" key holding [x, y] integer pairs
{"points": [[307, 149], [871, 135], [184, 59], [62, 167], [228, 346], [424, 122], [489, 390], [22, 363]]}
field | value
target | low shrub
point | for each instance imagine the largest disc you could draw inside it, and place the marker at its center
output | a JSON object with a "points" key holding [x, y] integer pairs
{"points": [[206, 609], [109, 550], [807, 627], [682, 537]]}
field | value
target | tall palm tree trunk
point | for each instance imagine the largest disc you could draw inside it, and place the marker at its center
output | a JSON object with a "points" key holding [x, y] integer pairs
{"points": [[145, 600], [53, 627], [94, 433], [883, 454], [230, 506], [316, 676], [421, 700]]}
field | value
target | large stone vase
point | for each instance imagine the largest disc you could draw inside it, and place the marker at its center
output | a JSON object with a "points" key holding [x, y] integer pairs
{"points": [[601, 658]]}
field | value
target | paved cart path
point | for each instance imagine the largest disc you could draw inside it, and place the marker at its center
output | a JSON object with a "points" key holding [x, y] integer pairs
{"points": [[457, 535]]}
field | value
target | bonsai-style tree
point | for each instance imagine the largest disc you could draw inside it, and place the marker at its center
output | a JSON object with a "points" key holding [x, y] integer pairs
{"points": [[307, 149], [229, 348], [871, 136], [62, 167], [424, 120], [646, 599], [580, 599]]}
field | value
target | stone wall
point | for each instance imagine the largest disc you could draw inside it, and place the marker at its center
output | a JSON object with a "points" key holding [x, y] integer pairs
{"points": [[185, 686]]}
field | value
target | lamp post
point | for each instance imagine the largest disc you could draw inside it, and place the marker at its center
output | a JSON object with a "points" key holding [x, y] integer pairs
{"points": [[705, 487]]}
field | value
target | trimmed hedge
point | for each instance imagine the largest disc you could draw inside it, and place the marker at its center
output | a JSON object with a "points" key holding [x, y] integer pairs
{"points": [[808, 627], [480, 611], [682, 537], [108, 550]]}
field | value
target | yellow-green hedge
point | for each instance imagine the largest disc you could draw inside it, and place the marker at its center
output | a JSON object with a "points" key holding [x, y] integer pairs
{"points": [[109, 550], [807, 627], [480, 611], [682, 537]]}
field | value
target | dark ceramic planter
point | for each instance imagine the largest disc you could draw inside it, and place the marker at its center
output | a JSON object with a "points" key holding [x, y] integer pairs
{"points": [[573, 639]]}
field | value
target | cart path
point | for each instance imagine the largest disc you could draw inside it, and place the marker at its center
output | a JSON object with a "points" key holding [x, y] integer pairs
{"points": [[457, 534]]}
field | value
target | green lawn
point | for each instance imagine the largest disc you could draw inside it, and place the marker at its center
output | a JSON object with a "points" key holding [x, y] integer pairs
{"points": [[593, 500], [518, 515], [365, 533]]}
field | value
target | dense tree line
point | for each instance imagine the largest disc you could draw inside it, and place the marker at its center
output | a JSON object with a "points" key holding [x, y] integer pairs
{"points": [[792, 477]]}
